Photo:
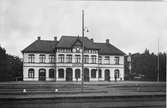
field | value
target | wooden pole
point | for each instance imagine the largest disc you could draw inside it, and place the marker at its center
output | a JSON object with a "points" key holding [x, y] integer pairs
{"points": [[82, 82]]}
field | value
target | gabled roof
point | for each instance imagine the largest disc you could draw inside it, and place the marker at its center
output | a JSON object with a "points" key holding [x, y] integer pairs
{"points": [[68, 42], [108, 49], [42, 46], [47, 46]]}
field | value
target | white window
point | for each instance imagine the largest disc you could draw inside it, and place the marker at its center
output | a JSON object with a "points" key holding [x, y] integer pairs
{"points": [[86, 59], [77, 59], [116, 60], [93, 59], [42, 58], [31, 58], [100, 59], [107, 60], [51, 58], [31, 73], [61, 58], [69, 58]]}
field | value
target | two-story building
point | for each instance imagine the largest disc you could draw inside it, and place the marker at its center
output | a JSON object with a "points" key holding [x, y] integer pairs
{"points": [[54, 60]]}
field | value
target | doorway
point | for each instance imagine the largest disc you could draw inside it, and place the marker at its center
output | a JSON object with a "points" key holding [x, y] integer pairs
{"points": [[69, 74], [86, 75], [42, 75], [107, 75]]}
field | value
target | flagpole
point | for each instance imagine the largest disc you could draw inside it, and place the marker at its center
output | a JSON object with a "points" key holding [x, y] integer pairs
{"points": [[82, 82], [158, 62]]}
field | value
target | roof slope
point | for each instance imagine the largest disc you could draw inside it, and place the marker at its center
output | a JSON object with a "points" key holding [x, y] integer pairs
{"points": [[43, 46], [68, 41], [48, 46], [108, 49]]}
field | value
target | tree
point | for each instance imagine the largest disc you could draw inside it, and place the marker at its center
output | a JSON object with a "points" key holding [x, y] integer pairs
{"points": [[145, 64], [10, 66]]}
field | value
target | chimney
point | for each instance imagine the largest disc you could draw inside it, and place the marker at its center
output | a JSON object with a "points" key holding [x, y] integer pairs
{"points": [[55, 38], [107, 41], [92, 39], [39, 38]]}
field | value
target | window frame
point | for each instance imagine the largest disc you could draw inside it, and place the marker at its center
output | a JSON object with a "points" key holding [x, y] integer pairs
{"points": [[51, 75], [42, 58], [31, 73], [93, 73], [62, 74], [61, 58], [31, 58]]}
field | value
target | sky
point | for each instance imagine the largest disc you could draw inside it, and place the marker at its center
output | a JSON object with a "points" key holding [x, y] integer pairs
{"points": [[132, 26]]}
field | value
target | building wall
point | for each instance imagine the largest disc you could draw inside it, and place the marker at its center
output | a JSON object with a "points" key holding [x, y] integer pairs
{"points": [[36, 66]]}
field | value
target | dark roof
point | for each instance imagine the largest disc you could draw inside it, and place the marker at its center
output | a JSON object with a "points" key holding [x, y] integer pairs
{"points": [[47, 46], [108, 49], [69, 41], [43, 46]]}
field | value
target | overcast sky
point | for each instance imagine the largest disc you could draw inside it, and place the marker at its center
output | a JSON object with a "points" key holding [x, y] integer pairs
{"points": [[131, 26]]}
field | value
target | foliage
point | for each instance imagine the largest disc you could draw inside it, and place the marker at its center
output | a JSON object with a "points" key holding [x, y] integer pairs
{"points": [[145, 65], [10, 66]]}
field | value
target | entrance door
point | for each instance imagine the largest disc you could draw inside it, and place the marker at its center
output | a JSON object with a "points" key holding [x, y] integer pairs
{"points": [[107, 75], [68, 74], [86, 74], [42, 75]]}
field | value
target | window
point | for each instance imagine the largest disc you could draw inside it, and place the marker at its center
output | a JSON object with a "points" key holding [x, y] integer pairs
{"points": [[100, 74], [61, 58], [42, 58], [107, 60], [77, 73], [31, 73], [86, 59], [100, 60], [93, 73], [69, 58], [31, 58], [77, 59], [61, 73], [116, 60], [93, 59], [51, 73], [51, 58]]}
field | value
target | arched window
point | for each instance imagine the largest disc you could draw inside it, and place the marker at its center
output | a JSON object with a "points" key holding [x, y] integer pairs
{"points": [[100, 74], [116, 73], [77, 73], [61, 58], [61, 73], [31, 73], [51, 73], [93, 73]]}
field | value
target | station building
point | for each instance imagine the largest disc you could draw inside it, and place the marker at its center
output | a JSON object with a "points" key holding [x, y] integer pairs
{"points": [[61, 60]]}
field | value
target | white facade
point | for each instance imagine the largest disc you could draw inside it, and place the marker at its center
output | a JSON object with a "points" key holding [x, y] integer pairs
{"points": [[33, 67]]}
